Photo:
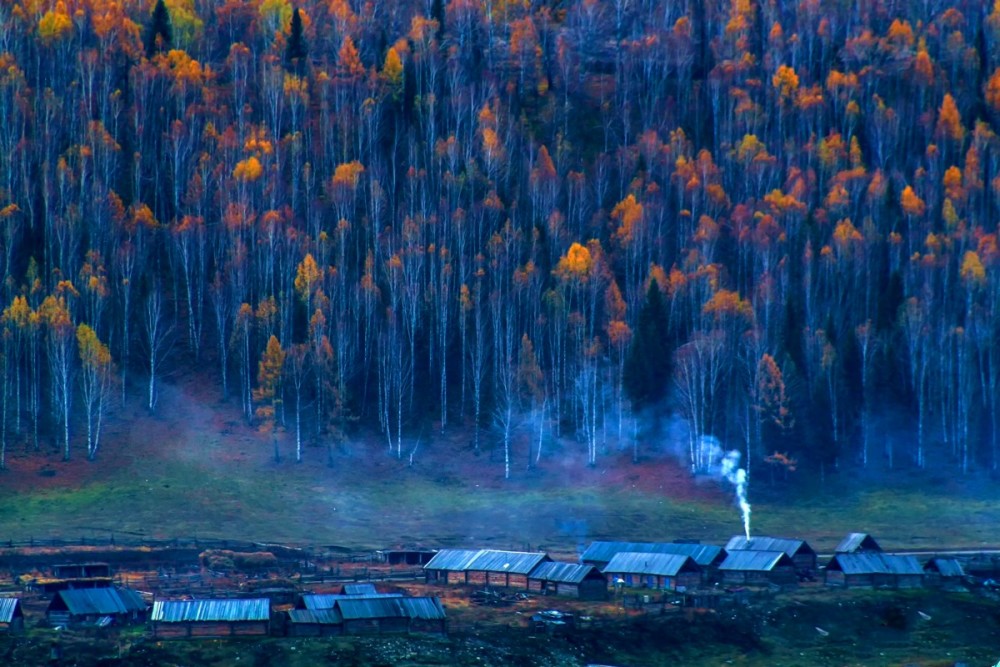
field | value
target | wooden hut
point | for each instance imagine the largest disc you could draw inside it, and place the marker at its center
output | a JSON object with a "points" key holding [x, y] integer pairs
{"points": [[315, 601], [584, 582], [873, 570], [491, 567], [425, 614], [415, 557], [211, 618], [799, 551], [11, 615], [366, 588], [946, 573], [96, 606], [857, 542], [449, 563], [372, 616], [660, 571], [314, 623], [708, 556], [759, 568]]}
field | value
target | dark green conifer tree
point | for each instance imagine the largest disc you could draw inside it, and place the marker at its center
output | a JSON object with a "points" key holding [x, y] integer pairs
{"points": [[296, 50], [160, 32], [647, 366]]}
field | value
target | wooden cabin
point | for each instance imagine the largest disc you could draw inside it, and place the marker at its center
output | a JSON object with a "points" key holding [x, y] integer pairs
{"points": [[707, 556], [314, 623], [11, 615], [488, 567], [211, 618], [801, 553], [584, 582], [448, 566], [96, 607], [759, 568], [857, 543], [659, 571], [946, 573], [873, 570]]}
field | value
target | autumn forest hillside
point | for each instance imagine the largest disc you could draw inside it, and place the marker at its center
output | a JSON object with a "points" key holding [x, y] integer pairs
{"points": [[770, 222]]}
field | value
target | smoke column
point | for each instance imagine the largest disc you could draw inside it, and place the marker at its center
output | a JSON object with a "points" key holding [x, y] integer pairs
{"points": [[737, 476]]}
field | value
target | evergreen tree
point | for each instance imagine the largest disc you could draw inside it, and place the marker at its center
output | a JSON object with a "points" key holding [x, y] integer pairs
{"points": [[160, 32], [647, 367], [296, 50]]}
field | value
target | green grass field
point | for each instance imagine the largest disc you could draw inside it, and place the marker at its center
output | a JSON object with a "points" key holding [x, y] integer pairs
{"points": [[195, 471]]}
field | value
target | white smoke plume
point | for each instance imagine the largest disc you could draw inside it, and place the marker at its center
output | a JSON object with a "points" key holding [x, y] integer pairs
{"points": [[712, 458], [737, 476]]}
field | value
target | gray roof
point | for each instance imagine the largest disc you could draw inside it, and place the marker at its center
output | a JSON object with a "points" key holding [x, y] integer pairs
{"points": [[875, 563], [790, 547], [329, 600], [103, 601], [9, 608], [427, 609], [185, 611], [662, 565], [510, 562], [454, 560], [603, 552], [857, 542], [358, 589], [424, 608], [352, 609], [755, 561], [946, 567], [567, 573], [315, 616]]}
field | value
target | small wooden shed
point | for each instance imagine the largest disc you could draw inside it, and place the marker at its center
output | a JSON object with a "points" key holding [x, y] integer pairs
{"points": [[211, 618], [759, 568], [584, 582], [873, 570], [372, 615], [314, 623], [11, 615], [314, 601], [857, 542], [708, 556], [96, 606], [449, 563], [414, 557], [660, 571], [425, 614], [799, 551], [946, 573]]}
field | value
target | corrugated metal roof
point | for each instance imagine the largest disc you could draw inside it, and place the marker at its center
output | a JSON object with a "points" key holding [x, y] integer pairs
{"points": [[875, 563], [857, 542], [603, 552], [105, 601], [8, 607], [946, 567], [329, 600], [755, 561], [353, 609], [423, 608], [568, 573], [317, 616], [790, 547], [359, 589], [662, 565], [511, 562], [453, 560], [186, 611]]}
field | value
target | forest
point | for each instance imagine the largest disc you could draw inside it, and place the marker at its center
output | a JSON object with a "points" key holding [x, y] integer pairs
{"points": [[768, 222]]}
